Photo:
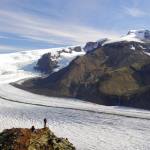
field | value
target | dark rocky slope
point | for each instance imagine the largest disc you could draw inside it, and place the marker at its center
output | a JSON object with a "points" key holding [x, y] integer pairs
{"points": [[25, 139], [113, 74], [46, 64]]}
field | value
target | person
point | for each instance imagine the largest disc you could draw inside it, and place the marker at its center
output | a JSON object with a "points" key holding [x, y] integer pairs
{"points": [[45, 122], [32, 128]]}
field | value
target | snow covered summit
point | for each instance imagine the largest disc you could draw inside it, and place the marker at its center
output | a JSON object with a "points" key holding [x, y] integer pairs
{"points": [[139, 34]]}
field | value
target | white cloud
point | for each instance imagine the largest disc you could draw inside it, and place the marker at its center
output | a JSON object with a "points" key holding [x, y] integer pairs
{"points": [[135, 12], [48, 30], [7, 48]]}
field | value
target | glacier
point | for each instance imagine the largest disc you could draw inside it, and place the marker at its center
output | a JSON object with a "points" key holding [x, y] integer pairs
{"points": [[88, 126]]}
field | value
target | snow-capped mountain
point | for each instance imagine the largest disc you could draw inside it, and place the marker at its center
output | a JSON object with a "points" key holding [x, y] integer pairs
{"points": [[140, 36]]}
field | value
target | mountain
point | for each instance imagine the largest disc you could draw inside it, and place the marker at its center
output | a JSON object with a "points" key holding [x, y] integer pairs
{"points": [[25, 139], [114, 73]]}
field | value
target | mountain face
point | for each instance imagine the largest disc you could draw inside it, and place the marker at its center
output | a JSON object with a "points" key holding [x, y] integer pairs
{"points": [[114, 73]]}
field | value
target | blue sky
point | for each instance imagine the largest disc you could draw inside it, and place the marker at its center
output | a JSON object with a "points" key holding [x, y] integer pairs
{"points": [[33, 24]]}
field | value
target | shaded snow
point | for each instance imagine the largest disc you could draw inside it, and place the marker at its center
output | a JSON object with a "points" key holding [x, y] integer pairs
{"points": [[146, 53], [142, 47], [132, 47]]}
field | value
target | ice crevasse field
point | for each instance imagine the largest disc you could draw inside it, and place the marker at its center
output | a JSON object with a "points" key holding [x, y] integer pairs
{"points": [[88, 126]]}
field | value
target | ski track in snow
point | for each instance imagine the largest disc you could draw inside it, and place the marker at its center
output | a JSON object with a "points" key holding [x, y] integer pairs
{"points": [[88, 126]]}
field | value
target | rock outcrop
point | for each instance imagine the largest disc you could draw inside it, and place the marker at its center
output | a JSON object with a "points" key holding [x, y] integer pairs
{"points": [[25, 139], [76, 49], [90, 46], [46, 64]]}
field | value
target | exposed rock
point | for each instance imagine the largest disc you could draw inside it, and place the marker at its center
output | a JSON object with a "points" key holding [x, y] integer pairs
{"points": [[90, 46], [25, 139], [46, 63], [77, 49]]}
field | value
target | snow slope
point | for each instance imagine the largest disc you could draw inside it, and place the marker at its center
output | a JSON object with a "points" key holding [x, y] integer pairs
{"points": [[88, 126]]}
